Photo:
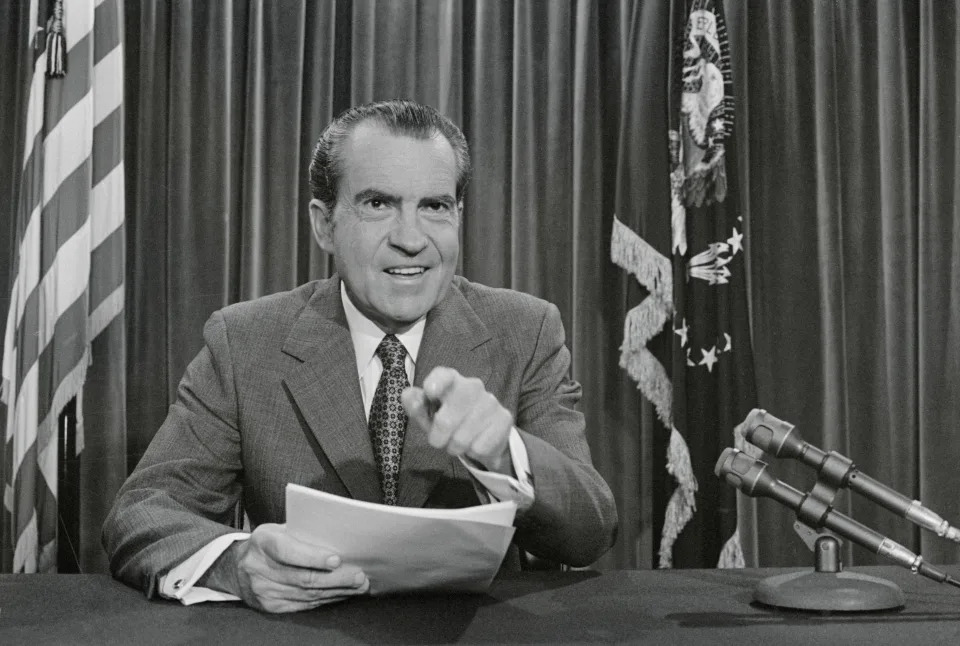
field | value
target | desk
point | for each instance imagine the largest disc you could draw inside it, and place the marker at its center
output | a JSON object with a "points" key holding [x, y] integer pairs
{"points": [[642, 606]]}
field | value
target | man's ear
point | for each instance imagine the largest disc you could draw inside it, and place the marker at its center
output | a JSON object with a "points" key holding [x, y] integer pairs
{"points": [[321, 223]]}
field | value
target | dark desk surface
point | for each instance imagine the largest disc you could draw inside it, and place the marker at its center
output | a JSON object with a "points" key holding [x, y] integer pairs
{"points": [[656, 607]]}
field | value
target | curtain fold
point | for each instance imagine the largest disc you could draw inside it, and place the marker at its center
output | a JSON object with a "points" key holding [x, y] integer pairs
{"points": [[938, 286], [837, 100]]}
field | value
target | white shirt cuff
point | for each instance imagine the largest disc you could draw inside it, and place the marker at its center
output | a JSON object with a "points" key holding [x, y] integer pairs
{"points": [[497, 487], [179, 582]]}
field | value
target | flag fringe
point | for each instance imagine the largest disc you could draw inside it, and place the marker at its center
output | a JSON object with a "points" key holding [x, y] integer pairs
{"points": [[70, 387], [731, 556], [683, 501], [652, 381], [651, 268], [642, 323]]}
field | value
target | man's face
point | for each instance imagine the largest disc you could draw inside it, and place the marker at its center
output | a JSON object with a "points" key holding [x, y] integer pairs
{"points": [[394, 230]]}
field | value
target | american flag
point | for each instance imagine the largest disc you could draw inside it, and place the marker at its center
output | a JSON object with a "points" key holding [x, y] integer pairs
{"points": [[68, 262]]}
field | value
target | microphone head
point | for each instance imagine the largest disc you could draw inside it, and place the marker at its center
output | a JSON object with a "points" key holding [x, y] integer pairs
{"points": [[742, 471], [772, 435]]}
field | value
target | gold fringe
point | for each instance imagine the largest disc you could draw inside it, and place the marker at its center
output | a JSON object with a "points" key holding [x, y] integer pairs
{"points": [[642, 323], [683, 501], [70, 387], [731, 556], [652, 381], [651, 268]]}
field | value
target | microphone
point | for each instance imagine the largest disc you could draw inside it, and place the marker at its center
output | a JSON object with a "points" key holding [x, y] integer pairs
{"points": [[750, 476], [781, 439]]}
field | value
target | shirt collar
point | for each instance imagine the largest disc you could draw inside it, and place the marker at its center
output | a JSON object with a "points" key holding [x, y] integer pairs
{"points": [[367, 336]]}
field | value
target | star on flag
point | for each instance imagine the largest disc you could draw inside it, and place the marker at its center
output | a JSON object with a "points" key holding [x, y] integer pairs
{"points": [[709, 358]]}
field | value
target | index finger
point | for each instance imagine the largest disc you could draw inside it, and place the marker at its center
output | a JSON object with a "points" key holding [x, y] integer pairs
{"points": [[439, 382]]}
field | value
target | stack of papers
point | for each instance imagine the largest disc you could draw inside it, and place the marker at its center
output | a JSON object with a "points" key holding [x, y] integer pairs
{"points": [[402, 549]]}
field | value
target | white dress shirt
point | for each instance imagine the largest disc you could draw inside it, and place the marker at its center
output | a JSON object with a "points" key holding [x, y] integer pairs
{"points": [[179, 583]]}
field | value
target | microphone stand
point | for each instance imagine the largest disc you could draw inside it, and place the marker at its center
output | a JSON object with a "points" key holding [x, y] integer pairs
{"points": [[827, 587]]}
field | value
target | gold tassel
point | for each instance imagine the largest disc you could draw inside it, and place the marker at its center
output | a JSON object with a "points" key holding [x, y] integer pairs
{"points": [[56, 43]]}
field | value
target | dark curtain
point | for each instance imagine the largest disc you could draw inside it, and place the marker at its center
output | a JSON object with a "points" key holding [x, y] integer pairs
{"points": [[850, 144], [846, 124]]}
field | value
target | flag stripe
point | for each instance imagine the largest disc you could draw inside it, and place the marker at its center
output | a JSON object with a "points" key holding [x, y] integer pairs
{"points": [[58, 291], [22, 419], [106, 267], [78, 23], [65, 213], [64, 95], [105, 312], [68, 145], [26, 485], [28, 251], [107, 145], [108, 94], [106, 29], [25, 555], [47, 428], [34, 124], [58, 358], [106, 206]]}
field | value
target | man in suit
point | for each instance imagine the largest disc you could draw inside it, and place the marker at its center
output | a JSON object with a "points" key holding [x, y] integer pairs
{"points": [[312, 386]]}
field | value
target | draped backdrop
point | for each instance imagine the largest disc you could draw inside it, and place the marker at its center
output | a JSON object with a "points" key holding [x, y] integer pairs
{"points": [[846, 153]]}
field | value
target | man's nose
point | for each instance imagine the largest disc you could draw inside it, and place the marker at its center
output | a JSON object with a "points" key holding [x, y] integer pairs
{"points": [[407, 234]]}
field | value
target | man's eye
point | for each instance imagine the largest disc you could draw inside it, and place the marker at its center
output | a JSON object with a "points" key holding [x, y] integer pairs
{"points": [[437, 208], [376, 203]]}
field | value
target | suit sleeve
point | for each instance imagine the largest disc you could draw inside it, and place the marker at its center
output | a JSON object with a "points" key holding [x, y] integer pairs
{"points": [[185, 490], [573, 518]]}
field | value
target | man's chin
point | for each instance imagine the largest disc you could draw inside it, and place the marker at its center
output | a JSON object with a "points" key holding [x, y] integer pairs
{"points": [[401, 320]]}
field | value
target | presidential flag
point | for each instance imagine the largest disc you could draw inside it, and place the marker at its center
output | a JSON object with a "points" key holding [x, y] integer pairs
{"points": [[701, 382], [68, 261]]}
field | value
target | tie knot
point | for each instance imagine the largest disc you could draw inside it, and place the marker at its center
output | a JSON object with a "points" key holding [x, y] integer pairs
{"points": [[391, 352]]}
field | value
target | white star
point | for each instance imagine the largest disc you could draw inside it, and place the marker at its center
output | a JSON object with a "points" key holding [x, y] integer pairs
{"points": [[689, 361], [729, 345], [682, 333], [736, 241], [709, 358]]}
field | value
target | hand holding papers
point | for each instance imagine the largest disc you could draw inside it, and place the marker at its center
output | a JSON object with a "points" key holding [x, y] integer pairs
{"points": [[402, 549]]}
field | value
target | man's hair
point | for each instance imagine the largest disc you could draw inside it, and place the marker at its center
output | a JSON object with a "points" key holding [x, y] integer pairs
{"points": [[400, 117]]}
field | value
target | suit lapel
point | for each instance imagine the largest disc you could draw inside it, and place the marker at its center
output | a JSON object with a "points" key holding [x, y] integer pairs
{"points": [[454, 337], [326, 389]]}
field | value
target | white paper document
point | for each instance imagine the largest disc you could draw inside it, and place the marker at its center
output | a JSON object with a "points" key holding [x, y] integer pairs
{"points": [[402, 549]]}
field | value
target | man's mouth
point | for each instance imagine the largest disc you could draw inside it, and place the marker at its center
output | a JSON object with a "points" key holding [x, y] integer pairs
{"points": [[406, 272]]}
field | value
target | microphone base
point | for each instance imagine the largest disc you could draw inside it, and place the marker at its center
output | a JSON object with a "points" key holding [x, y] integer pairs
{"points": [[829, 592]]}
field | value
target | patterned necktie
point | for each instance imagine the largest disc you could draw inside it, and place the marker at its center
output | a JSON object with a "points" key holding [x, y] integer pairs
{"points": [[388, 420]]}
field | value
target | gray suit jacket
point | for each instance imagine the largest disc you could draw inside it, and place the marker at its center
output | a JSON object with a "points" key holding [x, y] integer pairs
{"points": [[274, 397]]}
